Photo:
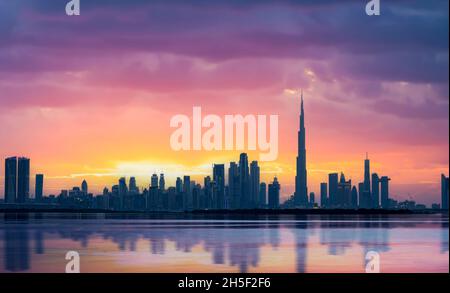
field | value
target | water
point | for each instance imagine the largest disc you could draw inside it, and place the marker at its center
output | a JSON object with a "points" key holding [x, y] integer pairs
{"points": [[194, 243]]}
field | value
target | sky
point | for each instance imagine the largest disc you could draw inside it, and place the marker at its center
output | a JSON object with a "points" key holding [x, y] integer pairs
{"points": [[91, 96]]}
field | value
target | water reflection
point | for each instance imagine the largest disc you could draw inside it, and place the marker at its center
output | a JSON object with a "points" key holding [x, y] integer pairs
{"points": [[17, 249], [228, 241], [444, 235]]}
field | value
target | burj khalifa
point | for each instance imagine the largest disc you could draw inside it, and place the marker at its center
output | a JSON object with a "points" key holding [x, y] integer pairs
{"points": [[301, 189]]}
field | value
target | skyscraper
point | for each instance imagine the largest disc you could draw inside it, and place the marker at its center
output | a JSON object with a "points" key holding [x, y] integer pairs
{"points": [[187, 201], [84, 187], [195, 196], [384, 182], [162, 182], [208, 192], [154, 181], [332, 189], [354, 197], [301, 189], [444, 192], [254, 184], [10, 179], [274, 194], [39, 187], [312, 199], [244, 178], [179, 185], [262, 195], [375, 191], [23, 180], [323, 194], [234, 186], [219, 179], [362, 201], [367, 174], [132, 186], [122, 190], [344, 197]]}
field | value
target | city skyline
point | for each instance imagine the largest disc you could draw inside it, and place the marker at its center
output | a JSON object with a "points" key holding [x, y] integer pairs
{"points": [[241, 189], [82, 108]]}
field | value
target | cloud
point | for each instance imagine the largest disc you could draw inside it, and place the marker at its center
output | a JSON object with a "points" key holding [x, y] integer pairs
{"points": [[103, 77]]}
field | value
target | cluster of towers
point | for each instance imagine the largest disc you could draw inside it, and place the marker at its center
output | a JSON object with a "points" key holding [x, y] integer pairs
{"points": [[17, 180], [372, 193], [243, 191], [338, 193]]}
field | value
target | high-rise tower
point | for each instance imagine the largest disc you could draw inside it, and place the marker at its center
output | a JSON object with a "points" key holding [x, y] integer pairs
{"points": [[219, 180], [23, 180], [244, 181], [11, 180], [367, 174], [254, 183], [39, 187], [301, 189]]}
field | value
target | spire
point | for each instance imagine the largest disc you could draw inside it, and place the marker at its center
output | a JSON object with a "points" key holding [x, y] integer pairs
{"points": [[301, 109], [302, 112], [367, 155]]}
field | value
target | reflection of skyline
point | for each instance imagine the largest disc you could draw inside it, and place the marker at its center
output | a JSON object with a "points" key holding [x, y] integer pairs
{"points": [[16, 249], [235, 243], [444, 235]]}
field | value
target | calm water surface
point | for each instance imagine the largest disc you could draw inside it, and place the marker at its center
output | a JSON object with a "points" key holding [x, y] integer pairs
{"points": [[188, 243]]}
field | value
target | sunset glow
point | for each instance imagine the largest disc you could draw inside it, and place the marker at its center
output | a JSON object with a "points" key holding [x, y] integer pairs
{"points": [[91, 97]]}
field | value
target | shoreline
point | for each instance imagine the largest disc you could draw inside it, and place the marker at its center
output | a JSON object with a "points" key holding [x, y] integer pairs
{"points": [[229, 212]]}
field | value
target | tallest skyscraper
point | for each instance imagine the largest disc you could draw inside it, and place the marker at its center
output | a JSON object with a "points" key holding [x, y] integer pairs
{"points": [[301, 189]]}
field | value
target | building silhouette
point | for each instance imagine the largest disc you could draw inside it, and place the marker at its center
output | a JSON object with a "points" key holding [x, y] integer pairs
{"points": [[312, 199], [10, 179], [187, 201], [384, 182], [262, 195], [274, 194], [354, 197], [208, 192], [122, 190], [132, 186], [84, 187], [179, 185], [234, 185], [333, 189], [39, 187], [363, 197], [17, 180], [301, 189], [254, 184], [344, 192], [23, 180], [219, 179], [154, 181], [162, 182], [323, 195], [367, 174], [375, 191], [244, 180]]}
